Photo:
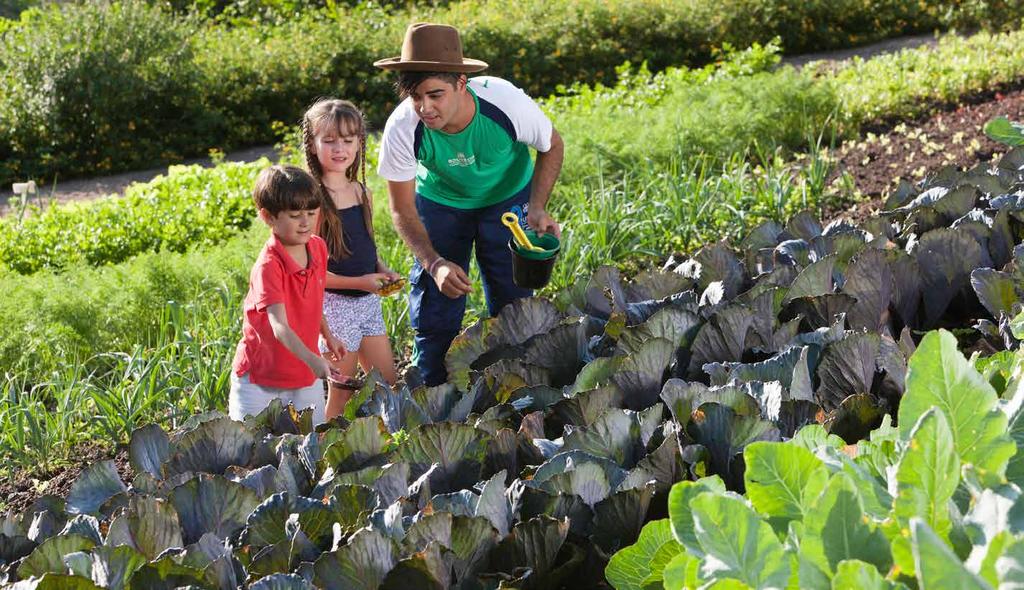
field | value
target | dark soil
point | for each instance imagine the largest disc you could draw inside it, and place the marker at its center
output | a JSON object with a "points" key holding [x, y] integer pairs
{"points": [[908, 151], [18, 493]]}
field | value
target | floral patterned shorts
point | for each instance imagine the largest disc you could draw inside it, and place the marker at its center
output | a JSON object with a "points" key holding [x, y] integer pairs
{"points": [[351, 318]]}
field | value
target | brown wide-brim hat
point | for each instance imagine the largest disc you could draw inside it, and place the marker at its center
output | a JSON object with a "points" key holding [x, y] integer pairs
{"points": [[431, 48]]}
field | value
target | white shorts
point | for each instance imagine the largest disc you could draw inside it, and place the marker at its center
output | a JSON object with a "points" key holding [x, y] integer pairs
{"points": [[351, 318], [248, 399]]}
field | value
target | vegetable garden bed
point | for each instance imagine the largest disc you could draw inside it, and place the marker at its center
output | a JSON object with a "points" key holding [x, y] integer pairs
{"points": [[25, 488], [907, 151], [567, 421]]}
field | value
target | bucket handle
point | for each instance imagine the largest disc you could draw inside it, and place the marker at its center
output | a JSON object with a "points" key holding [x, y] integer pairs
{"points": [[511, 221]]}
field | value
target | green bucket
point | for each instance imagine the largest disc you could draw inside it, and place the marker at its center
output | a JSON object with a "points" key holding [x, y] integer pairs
{"points": [[532, 269], [548, 242]]}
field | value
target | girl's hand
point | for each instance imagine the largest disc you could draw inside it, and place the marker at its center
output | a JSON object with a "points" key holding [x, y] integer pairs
{"points": [[392, 275], [335, 349], [372, 282]]}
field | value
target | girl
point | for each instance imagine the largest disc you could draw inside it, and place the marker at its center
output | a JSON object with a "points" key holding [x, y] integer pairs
{"points": [[334, 134]]}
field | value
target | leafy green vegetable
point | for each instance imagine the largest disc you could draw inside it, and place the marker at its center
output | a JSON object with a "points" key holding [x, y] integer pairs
{"points": [[1005, 131]]}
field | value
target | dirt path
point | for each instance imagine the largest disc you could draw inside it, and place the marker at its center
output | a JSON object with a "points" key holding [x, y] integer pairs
{"points": [[864, 52], [91, 188]]}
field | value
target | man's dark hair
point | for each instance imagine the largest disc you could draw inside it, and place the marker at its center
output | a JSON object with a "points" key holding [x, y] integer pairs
{"points": [[408, 81]]}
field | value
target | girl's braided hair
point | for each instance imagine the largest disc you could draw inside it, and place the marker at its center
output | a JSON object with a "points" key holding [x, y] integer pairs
{"points": [[343, 117]]}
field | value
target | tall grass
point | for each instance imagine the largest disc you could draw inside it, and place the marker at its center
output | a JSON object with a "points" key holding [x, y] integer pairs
{"points": [[186, 371]]}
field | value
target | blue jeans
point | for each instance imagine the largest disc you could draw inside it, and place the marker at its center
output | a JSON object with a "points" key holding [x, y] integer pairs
{"points": [[437, 318]]}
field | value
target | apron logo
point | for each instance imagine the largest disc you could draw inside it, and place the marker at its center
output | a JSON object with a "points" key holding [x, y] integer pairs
{"points": [[521, 212], [462, 160]]}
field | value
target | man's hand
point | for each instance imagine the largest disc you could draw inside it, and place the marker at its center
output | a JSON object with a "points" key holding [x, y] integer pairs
{"points": [[451, 279], [542, 223]]}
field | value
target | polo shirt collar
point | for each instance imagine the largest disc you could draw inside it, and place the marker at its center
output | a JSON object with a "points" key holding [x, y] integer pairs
{"points": [[290, 266]]}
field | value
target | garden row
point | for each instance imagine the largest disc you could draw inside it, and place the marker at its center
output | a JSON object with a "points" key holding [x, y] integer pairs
{"points": [[90, 88], [568, 424]]}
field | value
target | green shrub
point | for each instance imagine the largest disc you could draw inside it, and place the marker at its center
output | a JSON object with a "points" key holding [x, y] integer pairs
{"points": [[187, 208], [255, 76], [92, 88], [994, 15], [96, 87], [249, 12]]}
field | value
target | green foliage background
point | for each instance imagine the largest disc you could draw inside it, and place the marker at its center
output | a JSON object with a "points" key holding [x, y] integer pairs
{"points": [[90, 88]]}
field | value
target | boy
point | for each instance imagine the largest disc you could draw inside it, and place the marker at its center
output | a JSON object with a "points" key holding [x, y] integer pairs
{"points": [[283, 311]]}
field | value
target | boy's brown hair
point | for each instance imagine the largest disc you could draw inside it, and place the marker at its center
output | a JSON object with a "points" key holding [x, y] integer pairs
{"points": [[286, 188]]}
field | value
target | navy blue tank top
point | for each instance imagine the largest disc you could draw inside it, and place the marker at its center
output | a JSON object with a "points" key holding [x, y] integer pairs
{"points": [[363, 257]]}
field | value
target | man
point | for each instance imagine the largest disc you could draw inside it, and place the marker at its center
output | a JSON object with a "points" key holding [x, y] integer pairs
{"points": [[456, 155]]}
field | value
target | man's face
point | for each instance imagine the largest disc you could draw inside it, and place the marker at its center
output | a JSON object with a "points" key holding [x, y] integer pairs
{"points": [[437, 102]]}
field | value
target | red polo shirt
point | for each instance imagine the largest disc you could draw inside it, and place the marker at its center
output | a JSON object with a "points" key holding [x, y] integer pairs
{"points": [[277, 278]]}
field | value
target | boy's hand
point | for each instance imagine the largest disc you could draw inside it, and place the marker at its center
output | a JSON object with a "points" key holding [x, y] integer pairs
{"points": [[372, 282], [323, 369], [335, 349]]}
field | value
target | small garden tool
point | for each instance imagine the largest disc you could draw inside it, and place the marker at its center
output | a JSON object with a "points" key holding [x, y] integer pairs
{"points": [[511, 221]]}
